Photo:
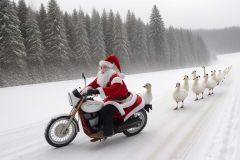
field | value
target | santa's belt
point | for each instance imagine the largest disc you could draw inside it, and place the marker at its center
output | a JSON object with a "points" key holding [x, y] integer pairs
{"points": [[123, 98]]}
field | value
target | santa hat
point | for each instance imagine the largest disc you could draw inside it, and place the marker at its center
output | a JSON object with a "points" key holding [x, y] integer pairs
{"points": [[112, 62]]}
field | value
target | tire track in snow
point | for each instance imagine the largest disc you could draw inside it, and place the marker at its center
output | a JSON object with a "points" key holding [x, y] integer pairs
{"points": [[190, 140], [19, 139], [188, 143], [22, 128], [183, 149], [18, 150], [210, 108], [225, 144], [173, 134], [24, 142]]}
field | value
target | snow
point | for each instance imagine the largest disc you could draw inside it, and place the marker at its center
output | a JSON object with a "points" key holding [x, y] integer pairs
{"points": [[207, 129]]}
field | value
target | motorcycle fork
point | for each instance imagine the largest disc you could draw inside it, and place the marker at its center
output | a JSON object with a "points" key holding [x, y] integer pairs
{"points": [[72, 114]]}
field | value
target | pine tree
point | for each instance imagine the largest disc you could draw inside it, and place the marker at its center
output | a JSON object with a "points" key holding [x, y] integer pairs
{"points": [[56, 43], [172, 47], [75, 17], [42, 23], [148, 40], [14, 5], [70, 30], [82, 55], [189, 49], [87, 21], [204, 56], [97, 39], [104, 20], [120, 43], [141, 50], [157, 36], [182, 48], [34, 49], [131, 28], [109, 36], [12, 50], [22, 15]]}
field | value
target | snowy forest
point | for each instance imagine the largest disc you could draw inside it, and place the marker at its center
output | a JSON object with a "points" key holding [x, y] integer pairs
{"points": [[48, 45], [221, 41]]}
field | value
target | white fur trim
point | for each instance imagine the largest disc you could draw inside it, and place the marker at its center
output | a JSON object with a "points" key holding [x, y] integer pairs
{"points": [[101, 91], [104, 78], [122, 75], [106, 63], [116, 80], [86, 89], [131, 102], [121, 107], [141, 106]]}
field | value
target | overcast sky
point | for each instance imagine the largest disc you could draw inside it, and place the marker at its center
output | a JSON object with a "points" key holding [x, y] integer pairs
{"points": [[191, 14]]}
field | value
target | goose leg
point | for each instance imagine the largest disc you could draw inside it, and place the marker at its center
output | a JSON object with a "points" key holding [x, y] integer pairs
{"points": [[202, 95], [182, 105], [196, 97], [176, 107], [209, 90], [212, 91]]}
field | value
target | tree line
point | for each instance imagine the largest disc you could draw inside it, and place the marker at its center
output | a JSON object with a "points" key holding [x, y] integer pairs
{"points": [[48, 45], [221, 41]]}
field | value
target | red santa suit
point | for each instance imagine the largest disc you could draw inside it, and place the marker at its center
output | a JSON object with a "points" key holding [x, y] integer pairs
{"points": [[113, 89]]}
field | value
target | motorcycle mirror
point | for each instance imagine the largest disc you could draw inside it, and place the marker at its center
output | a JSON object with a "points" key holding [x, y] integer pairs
{"points": [[83, 76]]}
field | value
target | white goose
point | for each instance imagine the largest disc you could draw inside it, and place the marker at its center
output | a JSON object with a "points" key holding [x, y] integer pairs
{"points": [[229, 69], [219, 77], [225, 73], [194, 74], [204, 70], [211, 83], [203, 84], [147, 95], [214, 76], [197, 87], [179, 95], [185, 83]]}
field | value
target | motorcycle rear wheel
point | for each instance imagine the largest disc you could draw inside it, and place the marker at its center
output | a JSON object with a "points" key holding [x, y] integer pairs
{"points": [[54, 134], [133, 131]]}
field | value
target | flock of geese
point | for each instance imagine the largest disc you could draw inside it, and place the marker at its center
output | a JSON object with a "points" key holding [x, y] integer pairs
{"points": [[199, 85]]}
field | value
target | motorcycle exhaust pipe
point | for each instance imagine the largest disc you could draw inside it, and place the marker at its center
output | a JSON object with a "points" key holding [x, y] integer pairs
{"points": [[129, 124]]}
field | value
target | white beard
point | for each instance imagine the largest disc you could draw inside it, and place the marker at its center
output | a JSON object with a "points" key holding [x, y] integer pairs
{"points": [[103, 78]]}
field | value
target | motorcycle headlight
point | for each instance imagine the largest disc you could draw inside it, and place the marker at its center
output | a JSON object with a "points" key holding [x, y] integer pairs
{"points": [[74, 97]]}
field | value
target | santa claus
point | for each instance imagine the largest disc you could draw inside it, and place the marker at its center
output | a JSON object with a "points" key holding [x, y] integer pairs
{"points": [[111, 87]]}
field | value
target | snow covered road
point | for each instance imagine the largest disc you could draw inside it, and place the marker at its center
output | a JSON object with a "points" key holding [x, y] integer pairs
{"points": [[207, 129]]}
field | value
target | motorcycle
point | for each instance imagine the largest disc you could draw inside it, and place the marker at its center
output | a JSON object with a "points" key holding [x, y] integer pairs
{"points": [[62, 130]]}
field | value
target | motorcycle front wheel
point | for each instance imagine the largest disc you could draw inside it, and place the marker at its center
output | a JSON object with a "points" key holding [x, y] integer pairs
{"points": [[56, 136]]}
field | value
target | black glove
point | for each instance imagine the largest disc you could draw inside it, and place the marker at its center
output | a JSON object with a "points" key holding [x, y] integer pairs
{"points": [[92, 92]]}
